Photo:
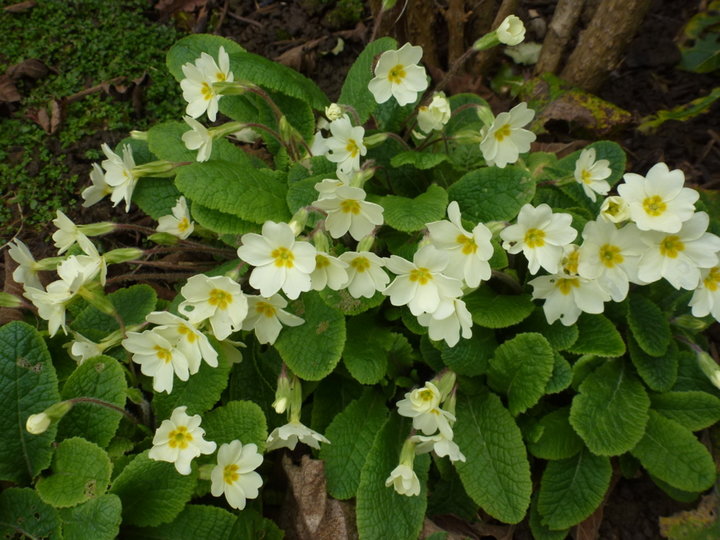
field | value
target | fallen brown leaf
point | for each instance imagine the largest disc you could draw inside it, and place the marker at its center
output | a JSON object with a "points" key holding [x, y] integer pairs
{"points": [[27, 68], [8, 91], [20, 7], [302, 57], [170, 7], [589, 529]]}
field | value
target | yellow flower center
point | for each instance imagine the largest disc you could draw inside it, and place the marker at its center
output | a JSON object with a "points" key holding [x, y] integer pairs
{"points": [[610, 255], [360, 264], [565, 285], [535, 238], [713, 279], [283, 257], [503, 132], [230, 474], [187, 332], [352, 147], [571, 262], [585, 176], [397, 74], [220, 299], [426, 395], [350, 206], [266, 309], [179, 438], [671, 246], [468, 244], [220, 76], [207, 91], [421, 275], [321, 261], [163, 354], [183, 224], [654, 205]]}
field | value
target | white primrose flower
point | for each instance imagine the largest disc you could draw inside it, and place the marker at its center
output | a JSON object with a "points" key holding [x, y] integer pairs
{"points": [[438, 444], [281, 263], [82, 349], [158, 357], [68, 234], [404, 480], [266, 317], [179, 440], [679, 257], [567, 296], [449, 329], [540, 235], [706, 299], [234, 475], [77, 270], [433, 117], [119, 174], [505, 139], [398, 75], [99, 188], [329, 272], [469, 252], [51, 303], [348, 211], [346, 145], [179, 223], [658, 202], [423, 406], [219, 299], [511, 31], [365, 273], [333, 112], [290, 434], [327, 188], [192, 343], [614, 209], [198, 138], [27, 271], [591, 174], [197, 85]]}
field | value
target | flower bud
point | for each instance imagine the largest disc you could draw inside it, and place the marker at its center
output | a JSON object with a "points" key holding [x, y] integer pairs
{"points": [[333, 112], [159, 168], [38, 423], [164, 239], [511, 31], [689, 322], [298, 221], [97, 229], [708, 366], [615, 209], [445, 383], [122, 255], [433, 117], [139, 135], [375, 140], [9, 300]]}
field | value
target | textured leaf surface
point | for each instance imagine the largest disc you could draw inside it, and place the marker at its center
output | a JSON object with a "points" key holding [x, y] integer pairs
{"points": [[694, 409], [470, 356], [673, 454], [98, 518], [28, 385], [408, 215], [193, 523], [497, 473], [313, 349], [366, 349], [156, 196], [649, 325], [611, 409], [558, 439], [419, 160], [561, 337], [522, 367], [351, 433], [152, 492], [561, 376], [342, 301], [80, 471], [241, 420], [493, 310], [23, 514], [165, 141], [103, 378], [189, 49], [571, 489], [381, 512], [598, 336], [492, 194], [658, 372], [541, 531], [220, 222]]}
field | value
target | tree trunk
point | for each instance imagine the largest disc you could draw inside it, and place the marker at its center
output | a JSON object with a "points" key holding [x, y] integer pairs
{"points": [[567, 13]]}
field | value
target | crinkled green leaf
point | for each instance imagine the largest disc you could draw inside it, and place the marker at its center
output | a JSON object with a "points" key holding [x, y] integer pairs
{"points": [[673, 454], [649, 325], [23, 514], [165, 141], [448, 496], [561, 337], [691, 377], [152, 492], [366, 348], [409, 215], [333, 394], [658, 372], [497, 473], [193, 523], [313, 349], [571, 489], [351, 434], [102, 378], [467, 117], [539, 530], [493, 194], [693, 409], [598, 336], [241, 420], [80, 471], [344, 302], [561, 376], [98, 518], [611, 409], [156, 196], [419, 160], [189, 49], [251, 524], [470, 356], [493, 310], [28, 385], [221, 222], [558, 439]]}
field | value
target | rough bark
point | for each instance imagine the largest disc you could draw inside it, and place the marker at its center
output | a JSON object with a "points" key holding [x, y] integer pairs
{"points": [[484, 58], [567, 13], [602, 43]]}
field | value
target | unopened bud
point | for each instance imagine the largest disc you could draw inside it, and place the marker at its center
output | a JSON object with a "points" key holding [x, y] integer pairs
{"points": [[97, 229], [121, 255], [333, 112], [164, 239], [9, 300], [511, 31], [160, 168], [375, 139], [689, 322], [298, 221], [708, 366], [615, 209], [139, 135], [445, 383], [38, 423]]}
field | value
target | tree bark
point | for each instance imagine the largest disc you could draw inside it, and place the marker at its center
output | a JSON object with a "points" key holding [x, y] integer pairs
{"points": [[603, 42], [567, 13], [484, 58]]}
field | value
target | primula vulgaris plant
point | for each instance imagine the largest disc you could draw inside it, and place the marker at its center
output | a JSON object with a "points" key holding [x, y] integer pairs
{"points": [[400, 284]]}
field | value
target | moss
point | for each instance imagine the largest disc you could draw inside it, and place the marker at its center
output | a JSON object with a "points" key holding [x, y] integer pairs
{"points": [[344, 14]]}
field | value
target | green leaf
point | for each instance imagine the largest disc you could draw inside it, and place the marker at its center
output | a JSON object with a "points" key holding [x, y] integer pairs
{"points": [[419, 160], [102, 378], [98, 518], [382, 512], [156, 196], [28, 385], [561, 337], [351, 434], [448, 495], [497, 473], [558, 439], [366, 349], [598, 336], [691, 377], [199, 393], [467, 118], [220, 222], [239, 189], [80, 471], [571, 489], [561, 376], [194, 522], [241, 420], [251, 524], [703, 56], [492, 194], [659, 373], [355, 88], [694, 409], [330, 397], [152, 492], [342, 301], [493, 310], [303, 193], [409, 215], [132, 305], [565, 167], [649, 325], [470, 356], [524, 382], [23, 514], [541, 531], [313, 349], [165, 141], [673, 454], [189, 49], [611, 409], [681, 113]]}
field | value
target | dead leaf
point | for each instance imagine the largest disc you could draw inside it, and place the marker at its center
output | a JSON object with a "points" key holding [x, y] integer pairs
{"points": [[55, 116], [20, 7], [8, 91], [170, 7], [699, 523], [31, 68], [589, 529], [301, 58]]}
